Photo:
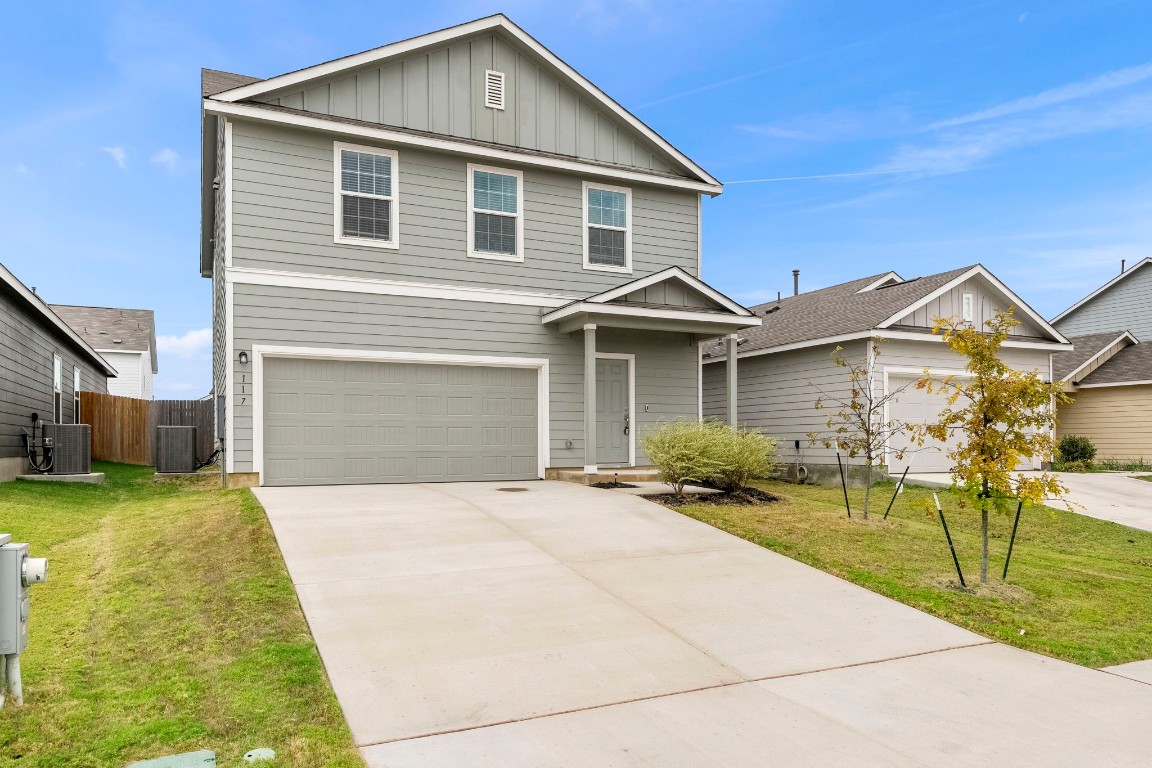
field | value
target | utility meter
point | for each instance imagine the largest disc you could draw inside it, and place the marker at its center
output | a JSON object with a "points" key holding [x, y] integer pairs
{"points": [[18, 572]]}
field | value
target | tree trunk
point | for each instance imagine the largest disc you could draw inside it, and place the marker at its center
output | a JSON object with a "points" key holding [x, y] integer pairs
{"points": [[867, 488], [984, 533]]}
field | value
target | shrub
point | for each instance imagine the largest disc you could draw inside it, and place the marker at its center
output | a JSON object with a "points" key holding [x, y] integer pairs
{"points": [[694, 451], [1076, 448], [746, 455], [1071, 466]]}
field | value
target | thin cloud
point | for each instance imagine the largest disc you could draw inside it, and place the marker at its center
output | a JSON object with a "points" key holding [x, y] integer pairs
{"points": [[167, 158], [191, 344], [118, 155]]}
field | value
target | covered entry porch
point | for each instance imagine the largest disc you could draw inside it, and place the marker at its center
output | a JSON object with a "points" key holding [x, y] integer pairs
{"points": [[670, 302]]}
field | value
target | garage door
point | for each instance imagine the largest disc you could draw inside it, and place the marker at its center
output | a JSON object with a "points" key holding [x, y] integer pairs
{"points": [[915, 406], [329, 422]]}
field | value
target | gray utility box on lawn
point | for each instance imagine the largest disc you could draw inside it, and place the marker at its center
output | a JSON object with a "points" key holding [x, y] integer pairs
{"points": [[175, 449], [71, 448], [18, 572]]}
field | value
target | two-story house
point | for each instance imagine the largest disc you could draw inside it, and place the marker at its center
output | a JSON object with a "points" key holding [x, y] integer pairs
{"points": [[126, 338], [449, 258]]}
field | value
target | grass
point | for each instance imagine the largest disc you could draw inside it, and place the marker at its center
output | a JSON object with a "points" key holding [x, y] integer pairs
{"points": [[1147, 478], [1078, 588], [168, 624], [1104, 465]]}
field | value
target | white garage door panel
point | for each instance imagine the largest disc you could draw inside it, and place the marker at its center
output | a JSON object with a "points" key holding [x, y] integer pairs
{"points": [[332, 422], [915, 406]]}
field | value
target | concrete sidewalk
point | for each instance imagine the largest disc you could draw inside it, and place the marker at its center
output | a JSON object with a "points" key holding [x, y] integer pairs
{"points": [[466, 625]]}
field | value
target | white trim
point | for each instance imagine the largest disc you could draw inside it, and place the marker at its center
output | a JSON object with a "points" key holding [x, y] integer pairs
{"points": [[1008, 343], [880, 281], [229, 375], [338, 193], [700, 382], [494, 99], [1125, 335], [57, 388], [271, 277], [1115, 384], [75, 394], [631, 358], [646, 312], [1142, 263], [446, 144], [982, 271], [472, 211], [435, 38], [700, 237], [694, 283], [260, 351], [227, 192], [627, 230], [967, 307]]}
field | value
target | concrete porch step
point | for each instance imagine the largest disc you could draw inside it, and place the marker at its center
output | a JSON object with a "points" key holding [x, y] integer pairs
{"points": [[606, 475]]}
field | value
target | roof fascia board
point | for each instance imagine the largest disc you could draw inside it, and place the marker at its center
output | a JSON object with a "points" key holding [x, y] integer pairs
{"points": [[981, 270], [46, 312], [1142, 263], [669, 274], [1115, 384], [498, 21], [1100, 353], [646, 312], [448, 145]]}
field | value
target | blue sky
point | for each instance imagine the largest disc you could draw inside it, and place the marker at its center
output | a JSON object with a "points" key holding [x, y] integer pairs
{"points": [[855, 137]]}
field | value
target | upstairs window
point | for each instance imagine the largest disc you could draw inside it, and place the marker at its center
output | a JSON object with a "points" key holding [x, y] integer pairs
{"points": [[495, 220], [607, 228], [966, 308], [57, 389], [366, 199], [75, 395]]}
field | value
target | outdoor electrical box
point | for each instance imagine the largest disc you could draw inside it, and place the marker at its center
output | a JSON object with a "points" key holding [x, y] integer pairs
{"points": [[18, 572]]}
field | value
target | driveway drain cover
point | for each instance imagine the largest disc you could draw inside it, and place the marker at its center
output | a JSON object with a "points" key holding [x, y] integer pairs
{"points": [[511, 490]]}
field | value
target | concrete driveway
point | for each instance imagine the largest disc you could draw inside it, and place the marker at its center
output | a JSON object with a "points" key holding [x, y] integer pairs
{"points": [[557, 625]]}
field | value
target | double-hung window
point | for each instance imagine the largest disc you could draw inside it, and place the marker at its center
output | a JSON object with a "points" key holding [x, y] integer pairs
{"points": [[75, 395], [57, 389], [607, 228], [495, 213], [366, 196]]}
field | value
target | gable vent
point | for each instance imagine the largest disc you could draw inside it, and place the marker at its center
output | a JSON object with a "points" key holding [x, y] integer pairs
{"points": [[494, 89]]}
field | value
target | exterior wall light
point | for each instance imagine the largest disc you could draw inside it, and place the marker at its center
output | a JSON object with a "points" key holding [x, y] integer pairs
{"points": [[243, 358]]}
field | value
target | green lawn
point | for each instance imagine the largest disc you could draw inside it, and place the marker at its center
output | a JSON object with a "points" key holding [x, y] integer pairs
{"points": [[168, 624], [1078, 589]]}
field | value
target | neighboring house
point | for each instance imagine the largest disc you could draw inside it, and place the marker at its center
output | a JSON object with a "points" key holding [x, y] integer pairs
{"points": [[44, 365], [126, 338], [786, 363], [1124, 303], [1109, 378], [450, 258]]}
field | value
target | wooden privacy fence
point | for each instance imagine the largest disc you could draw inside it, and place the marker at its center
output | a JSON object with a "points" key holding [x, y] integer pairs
{"points": [[124, 428]]}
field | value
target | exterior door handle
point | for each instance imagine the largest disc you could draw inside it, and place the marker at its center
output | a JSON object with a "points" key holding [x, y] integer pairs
{"points": [[627, 424]]}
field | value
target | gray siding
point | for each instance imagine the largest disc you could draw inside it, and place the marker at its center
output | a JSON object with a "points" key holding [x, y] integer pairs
{"points": [[26, 349], [442, 90], [666, 370], [985, 304], [777, 392], [1126, 306], [283, 198], [671, 293]]}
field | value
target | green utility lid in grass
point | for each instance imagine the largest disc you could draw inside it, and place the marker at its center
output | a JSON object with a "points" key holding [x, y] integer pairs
{"points": [[205, 758]]}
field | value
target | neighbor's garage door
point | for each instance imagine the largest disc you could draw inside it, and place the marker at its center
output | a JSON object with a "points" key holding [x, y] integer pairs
{"points": [[915, 406], [329, 422]]}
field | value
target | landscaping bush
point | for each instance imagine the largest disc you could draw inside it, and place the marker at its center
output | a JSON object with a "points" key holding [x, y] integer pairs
{"points": [[699, 451], [1076, 448]]}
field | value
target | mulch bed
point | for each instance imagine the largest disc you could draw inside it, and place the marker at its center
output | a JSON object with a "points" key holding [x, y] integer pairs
{"points": [[743, 498], [613, 485]]}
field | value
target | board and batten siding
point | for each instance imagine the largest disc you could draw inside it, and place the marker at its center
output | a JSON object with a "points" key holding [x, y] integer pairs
{"points": [[1126, 306], [26, 349], [442, 91], [985, 304], [666, 371], [284, 208], [1117, 419]]}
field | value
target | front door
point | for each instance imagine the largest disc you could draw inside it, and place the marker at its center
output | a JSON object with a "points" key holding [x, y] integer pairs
{"points": [[613, 421]]}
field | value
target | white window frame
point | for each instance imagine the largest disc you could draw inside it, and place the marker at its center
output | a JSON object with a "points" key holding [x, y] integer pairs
{"points": [[57, 389], [967, 303], [627, 268], [472, 211], [75, 394], [338, 207]]}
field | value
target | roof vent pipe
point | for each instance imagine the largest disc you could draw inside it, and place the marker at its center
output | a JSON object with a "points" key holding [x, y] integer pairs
{"points": [[1122, 265], [795, 282]]}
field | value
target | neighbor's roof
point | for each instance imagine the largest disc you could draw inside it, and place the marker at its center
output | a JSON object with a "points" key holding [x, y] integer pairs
{"points": [[29, 301], [113, 330], [1128, 366], [213, 81], [1085, 348], [1143, 263]]}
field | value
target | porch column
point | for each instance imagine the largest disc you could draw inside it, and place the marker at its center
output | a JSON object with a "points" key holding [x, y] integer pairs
{"points": [[589, 398], [730, 344]]}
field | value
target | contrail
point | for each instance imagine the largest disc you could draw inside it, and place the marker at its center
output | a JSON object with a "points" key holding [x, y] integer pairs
{"points": [[820, 176]]}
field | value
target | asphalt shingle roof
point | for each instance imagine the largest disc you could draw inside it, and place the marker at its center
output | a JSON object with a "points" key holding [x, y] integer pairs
{"points": [[834, 311], [1084, 349], [102, 326], [1133, 363], [213, 81]]}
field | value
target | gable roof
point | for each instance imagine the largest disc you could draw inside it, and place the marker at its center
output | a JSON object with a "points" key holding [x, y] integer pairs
{"points": [[112, 329], [38, 308], [1131, 365], [499, 23], [858, 308], [214, 81], [1146, 262], [1086, 350], [676, 275]]}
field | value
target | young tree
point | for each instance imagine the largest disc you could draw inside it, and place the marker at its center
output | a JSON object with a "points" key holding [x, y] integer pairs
{"points": [[1002, 417], [858, 426]]}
